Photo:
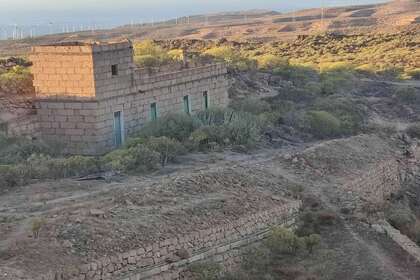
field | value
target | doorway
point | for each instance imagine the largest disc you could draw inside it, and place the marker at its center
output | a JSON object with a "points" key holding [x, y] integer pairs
{"points": [[118, 129]]}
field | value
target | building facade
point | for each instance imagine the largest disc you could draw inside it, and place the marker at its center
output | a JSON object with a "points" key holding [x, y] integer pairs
{"points": [[90, 97]]}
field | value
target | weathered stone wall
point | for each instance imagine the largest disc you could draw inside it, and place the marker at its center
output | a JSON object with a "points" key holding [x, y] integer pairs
{"points": [[378, 183], [106, 84], [79, 93], [72, 124], [63, 71], [167, 91], [402, 240], [168, 258], [375, 185]]}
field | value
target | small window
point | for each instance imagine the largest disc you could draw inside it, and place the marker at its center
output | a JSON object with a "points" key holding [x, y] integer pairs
{"points": [[153, 111], [206, 100], [114, 70], [187, 108]]}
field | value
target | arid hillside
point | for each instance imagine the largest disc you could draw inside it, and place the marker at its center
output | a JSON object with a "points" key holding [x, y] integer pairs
{"points": [[262, 25]]}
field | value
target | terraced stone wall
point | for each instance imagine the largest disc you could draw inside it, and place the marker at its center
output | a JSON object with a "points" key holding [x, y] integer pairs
{"points": [[170, 258]]}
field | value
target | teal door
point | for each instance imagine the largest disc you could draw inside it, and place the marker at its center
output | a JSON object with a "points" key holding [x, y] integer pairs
{"points": [[187, 104], [153, 111], [118, 129], [206, 100]]}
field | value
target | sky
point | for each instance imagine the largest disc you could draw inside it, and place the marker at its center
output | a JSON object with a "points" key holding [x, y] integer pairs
{"points": [[124, 11], [29, 18]]}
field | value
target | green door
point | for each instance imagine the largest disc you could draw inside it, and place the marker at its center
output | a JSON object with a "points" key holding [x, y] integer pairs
{"points": [[153, 111], [206, 100], [118, 129], [187, 108]]}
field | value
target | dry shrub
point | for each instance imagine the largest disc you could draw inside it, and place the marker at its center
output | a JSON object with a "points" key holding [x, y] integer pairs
{"points": [[36, 226]]}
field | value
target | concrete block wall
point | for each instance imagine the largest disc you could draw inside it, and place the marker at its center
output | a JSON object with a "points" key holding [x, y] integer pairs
{"points": [[74, 75], [104, 56], [69, 123], [63, 71], [167, 91], [162, 260]]}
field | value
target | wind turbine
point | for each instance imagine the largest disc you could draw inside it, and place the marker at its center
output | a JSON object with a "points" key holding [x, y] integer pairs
{"points": [[322, 14]]}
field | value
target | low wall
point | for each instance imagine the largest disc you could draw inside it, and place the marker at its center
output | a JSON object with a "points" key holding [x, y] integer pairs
{"points": [[376, 185], [403, 241], [168, 258]]}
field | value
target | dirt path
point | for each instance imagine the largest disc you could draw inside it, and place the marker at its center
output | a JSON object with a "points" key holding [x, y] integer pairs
{"points": [[358, 249]]}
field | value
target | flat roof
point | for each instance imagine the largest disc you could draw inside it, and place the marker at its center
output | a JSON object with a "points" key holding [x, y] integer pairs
{"points": [[81, 47]]}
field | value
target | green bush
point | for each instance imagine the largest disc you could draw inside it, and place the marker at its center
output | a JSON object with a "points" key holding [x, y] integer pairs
{"points": [[350, 114], [407, 95], [16, 150], [228, 127], [10, 176], [414, 74], [147, 60], [206, 271], [224, 53], [17, 76], [177, 126], [323, 124], [242, 129], [402, 219], [176, 55], [413, 130], [251, 105], [283, 241], [311, 221], [136, 158], [46, 167], [205, 136], [311, 241], [149, 54], [213, 116], [230, 56], [80, 166], [36, 225], [270, 61], [168, 149], [298, 74], [336, 82]]}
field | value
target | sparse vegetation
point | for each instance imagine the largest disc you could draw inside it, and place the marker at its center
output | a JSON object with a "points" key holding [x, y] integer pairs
{"points": [[17, 77], [206, 271], [323, 124], [136, 157], [167, 148], [270, 260], [149, 54], [414, 130], [36, 226]]}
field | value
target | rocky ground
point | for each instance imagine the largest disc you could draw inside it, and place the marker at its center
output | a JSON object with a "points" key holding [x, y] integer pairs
{"points": [[261, 25], [86, 220]]}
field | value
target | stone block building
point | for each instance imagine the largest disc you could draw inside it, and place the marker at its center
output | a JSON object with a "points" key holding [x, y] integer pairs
{"points": [[90, 97]]}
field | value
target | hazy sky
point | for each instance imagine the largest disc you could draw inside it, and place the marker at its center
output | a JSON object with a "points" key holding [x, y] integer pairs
{"points": [[121, 11]]}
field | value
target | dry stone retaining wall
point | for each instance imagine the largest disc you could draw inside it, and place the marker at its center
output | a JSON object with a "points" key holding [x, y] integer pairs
{"points": [[168, 258], [377, 184], [403, 241]]}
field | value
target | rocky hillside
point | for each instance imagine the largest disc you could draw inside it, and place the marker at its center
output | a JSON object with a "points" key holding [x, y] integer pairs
{"points": [[262, 25]]}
